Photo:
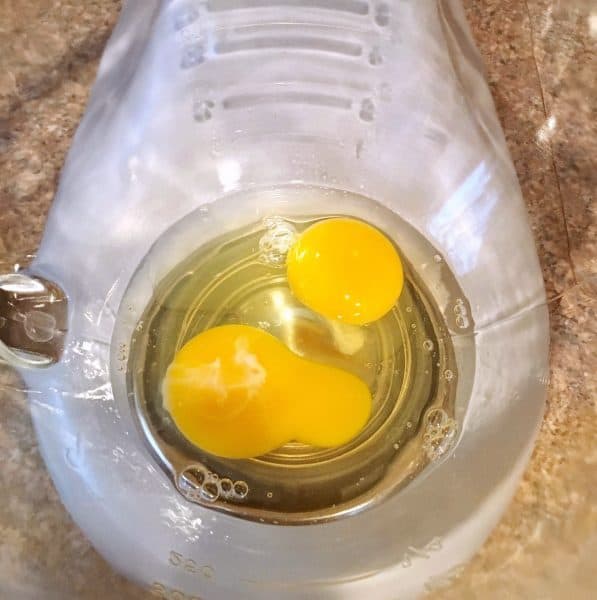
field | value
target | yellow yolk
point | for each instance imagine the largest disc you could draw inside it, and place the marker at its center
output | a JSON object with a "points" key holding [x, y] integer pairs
{"points": [[345, 269], [236, 391]]}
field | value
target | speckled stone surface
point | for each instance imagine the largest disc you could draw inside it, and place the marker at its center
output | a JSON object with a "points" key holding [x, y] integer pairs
{"points": [[540, 60]]}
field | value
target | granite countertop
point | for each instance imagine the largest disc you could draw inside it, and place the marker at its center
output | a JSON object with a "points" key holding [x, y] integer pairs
{"points": [[540, 59]]}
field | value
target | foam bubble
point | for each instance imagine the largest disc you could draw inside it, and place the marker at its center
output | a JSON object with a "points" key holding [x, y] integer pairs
{"points": [[209, 491], [276, 241], [440, 433], [39, 326], [226, 488], [240, 489], [436, 417], [461, 312]]}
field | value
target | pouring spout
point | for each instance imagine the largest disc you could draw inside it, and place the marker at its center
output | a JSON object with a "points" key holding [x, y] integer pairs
{"points": [[33, 320]]}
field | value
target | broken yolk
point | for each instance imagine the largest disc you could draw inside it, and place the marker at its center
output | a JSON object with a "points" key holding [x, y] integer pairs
{"points": [[237, 392], [345, 269]]}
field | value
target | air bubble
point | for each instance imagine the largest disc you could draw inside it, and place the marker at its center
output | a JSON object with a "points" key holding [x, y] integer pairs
{"points": [[437, 258], [270, 495], [39, 326], [226, 488], [210, 491], [193, 478], [413, 325], [437, 447], [241, 489], [428, 345], [409, 425], [276, 241], [461, 312], [396, 446], [436, 417], [440, 433], [448, 375], [448, 429]]}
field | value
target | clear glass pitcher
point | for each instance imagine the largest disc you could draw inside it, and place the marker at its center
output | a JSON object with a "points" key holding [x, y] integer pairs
{"points": [[210, 116]]}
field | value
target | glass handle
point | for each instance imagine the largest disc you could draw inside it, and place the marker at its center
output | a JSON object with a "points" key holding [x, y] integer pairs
{"points": [[33, 320]]}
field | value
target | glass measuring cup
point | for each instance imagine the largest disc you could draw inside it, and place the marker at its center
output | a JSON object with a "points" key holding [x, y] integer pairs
{"points": [[461, 204]]}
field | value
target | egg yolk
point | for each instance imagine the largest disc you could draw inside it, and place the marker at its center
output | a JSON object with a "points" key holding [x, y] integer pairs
{"points": [[345, 269], [237, 392]]}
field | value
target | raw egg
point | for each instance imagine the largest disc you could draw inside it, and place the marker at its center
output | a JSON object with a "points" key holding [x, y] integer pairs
{"points": [[237, 392], [345, 269]]}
